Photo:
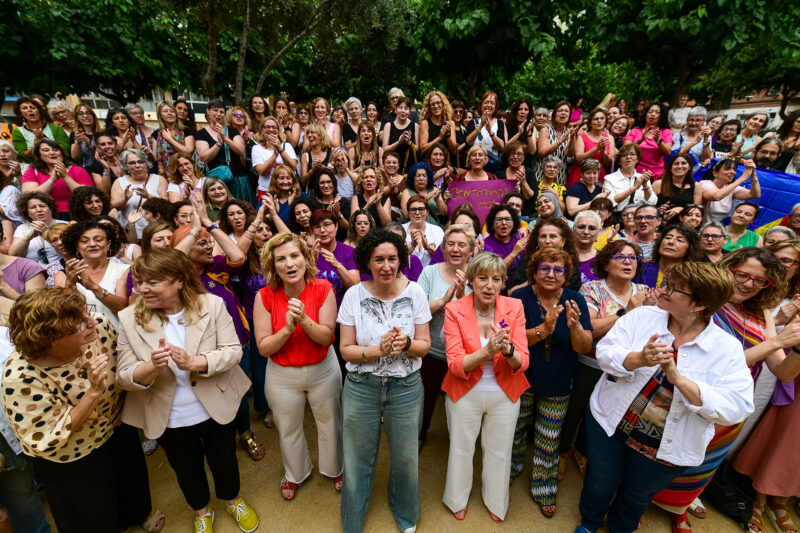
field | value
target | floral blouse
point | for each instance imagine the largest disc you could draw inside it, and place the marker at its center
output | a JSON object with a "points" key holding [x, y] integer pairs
{"points": [[39, 402]]}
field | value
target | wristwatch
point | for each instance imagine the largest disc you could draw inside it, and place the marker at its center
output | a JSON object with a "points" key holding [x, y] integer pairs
{"points": [[510, 353], [621, 312], [103, 294], [212, 227], [408, 344]]}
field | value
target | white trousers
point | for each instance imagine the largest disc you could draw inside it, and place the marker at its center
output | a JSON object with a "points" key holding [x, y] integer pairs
{"points": [[494, 416], [287, 388]]}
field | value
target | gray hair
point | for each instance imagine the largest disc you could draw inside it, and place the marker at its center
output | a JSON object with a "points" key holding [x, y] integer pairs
{"points": [[796, 206], [395, 225], [351, 100], [590, 214], [130, 107], [781, 229], [123, 158], [552, 159], [4, 142], [57, 105], [541, 110], [714, 224], [697, 111], [396, 90]]}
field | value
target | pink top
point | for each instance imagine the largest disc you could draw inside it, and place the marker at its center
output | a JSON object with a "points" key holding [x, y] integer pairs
{"points": [[652, 158], [60, 192]]}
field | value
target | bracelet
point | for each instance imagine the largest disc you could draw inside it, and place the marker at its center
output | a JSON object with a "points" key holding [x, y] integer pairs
{"points": [[364, 353], [795, 350], [192, 234], [408, 344], [538, 333], [510, 353]]}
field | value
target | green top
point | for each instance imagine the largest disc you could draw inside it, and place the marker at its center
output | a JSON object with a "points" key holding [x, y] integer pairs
{"points": [[750, 238], [23, 140]]}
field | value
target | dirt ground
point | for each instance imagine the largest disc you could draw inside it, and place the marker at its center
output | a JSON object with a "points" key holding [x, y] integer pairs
{"points": [[315, 507]]}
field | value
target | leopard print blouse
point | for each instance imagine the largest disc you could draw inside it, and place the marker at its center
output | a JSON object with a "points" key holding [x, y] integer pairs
{"points": [[39, 401]]}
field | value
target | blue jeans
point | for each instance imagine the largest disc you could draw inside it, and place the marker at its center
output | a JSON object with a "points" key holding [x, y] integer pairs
{"points": [[19, 497], [613, 467], [365, 399]]}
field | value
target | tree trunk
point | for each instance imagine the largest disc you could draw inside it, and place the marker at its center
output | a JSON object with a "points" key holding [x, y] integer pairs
{"points": [[213, 33], [242, 54], [472, 88], [315, 19], [786, 95]]}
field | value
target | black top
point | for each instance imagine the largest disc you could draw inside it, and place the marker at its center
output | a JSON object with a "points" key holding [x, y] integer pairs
{"points": [[219, 159], [679, 198], [407, 158], [349, 135]]}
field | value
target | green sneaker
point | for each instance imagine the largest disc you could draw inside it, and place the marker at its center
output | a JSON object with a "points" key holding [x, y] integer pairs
{"points": [[204, 523], [244, 515]]}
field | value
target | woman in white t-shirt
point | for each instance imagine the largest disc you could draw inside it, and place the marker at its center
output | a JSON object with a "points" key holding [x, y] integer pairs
{"points": [[189, 407], [38, 209], [184, 177], [719, 192], [129, 192], [384, 335], [271, 151]]}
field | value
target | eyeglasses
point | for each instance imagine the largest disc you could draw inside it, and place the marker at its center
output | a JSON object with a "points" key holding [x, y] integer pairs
{"points": [[417, 209], [134, 113], [506, 220], [740, 276], [582, 227], [327, 225], [711, 237], [87, 113], [645, 218], [458, 111], [517, 154], [788, 261], [558, 272], [669, 288], [90, 310], [206, 243], [269, 128], [237, 115], [325, 183], [436, 104], [622, 258], [627, 215]]}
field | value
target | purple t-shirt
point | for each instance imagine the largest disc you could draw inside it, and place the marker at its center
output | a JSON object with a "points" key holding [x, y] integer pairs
{"points": [[587, 274], [344, 254], [19, 271], [226, 292], [438, 256], [491, 244]]}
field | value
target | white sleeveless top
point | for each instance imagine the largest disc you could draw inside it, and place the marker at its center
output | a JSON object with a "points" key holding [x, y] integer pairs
{"points": [[136, 201]]}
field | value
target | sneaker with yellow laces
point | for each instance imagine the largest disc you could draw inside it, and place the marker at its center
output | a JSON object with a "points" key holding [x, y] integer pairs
{"points": [[204, 523], [244, 515]]}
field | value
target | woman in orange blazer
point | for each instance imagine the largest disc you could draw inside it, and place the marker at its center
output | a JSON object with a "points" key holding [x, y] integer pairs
{"points": [[487, 354], [178, 358]]}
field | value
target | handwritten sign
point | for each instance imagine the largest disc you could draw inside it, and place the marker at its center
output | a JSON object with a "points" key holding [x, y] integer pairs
{"points": [[481, 195]]}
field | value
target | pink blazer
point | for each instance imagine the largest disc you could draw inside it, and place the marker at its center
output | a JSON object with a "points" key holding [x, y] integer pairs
{"points": [[462, 337]]}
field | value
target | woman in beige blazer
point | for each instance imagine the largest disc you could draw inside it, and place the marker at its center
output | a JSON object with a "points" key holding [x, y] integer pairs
{"points": [[178, 358]]}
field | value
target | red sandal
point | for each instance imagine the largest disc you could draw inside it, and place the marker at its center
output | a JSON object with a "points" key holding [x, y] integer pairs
{"points": [[337, 483], [288, 488], [677, 523]]}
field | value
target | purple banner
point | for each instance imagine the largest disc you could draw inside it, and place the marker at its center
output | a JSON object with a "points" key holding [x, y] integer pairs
{"points": [[481, 195]]}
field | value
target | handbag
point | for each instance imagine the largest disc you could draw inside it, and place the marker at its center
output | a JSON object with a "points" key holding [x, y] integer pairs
{"points": [[731, 492]]}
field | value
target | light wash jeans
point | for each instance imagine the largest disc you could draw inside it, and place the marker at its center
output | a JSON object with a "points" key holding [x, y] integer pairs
{"points": [[365, 399]]}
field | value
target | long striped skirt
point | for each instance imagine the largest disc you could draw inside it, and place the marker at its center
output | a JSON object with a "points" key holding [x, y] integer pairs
{"points": [[688, 486], [544, 416]]}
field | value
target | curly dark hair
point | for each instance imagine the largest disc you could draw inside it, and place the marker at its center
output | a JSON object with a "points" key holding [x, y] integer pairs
{"points": [[315, 182], [224, 223], [293, 225], [603, 258], [22, 203], [114, 223], [373, 239], [493, 214], [158, 206], [44, 116], [766, 298], [663, 118], [79, 196], [40, 165], [73, 234], [691, 236], [111, 129]]}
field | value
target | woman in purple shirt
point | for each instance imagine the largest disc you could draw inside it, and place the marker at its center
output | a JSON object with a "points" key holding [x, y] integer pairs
{"points": [[504, 237], [335, 261], [215, 272]]}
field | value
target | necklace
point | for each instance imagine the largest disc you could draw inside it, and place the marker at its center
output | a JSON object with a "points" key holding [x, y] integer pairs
{"points": [[548, 341], [487, 315]]}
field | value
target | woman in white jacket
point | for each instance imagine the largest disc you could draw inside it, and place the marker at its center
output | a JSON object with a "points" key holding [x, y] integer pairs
{"points": [[670, 374]]}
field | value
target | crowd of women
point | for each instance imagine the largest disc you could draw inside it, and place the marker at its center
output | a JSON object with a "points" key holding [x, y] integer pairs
{"points": [[610, 310]]}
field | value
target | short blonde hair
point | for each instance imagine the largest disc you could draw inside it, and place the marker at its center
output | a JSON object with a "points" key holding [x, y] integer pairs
{"points": [[247, 120], [465, 229], [474, 148], [710, 284], [42, 316], [270, 275], [486, 263]]}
